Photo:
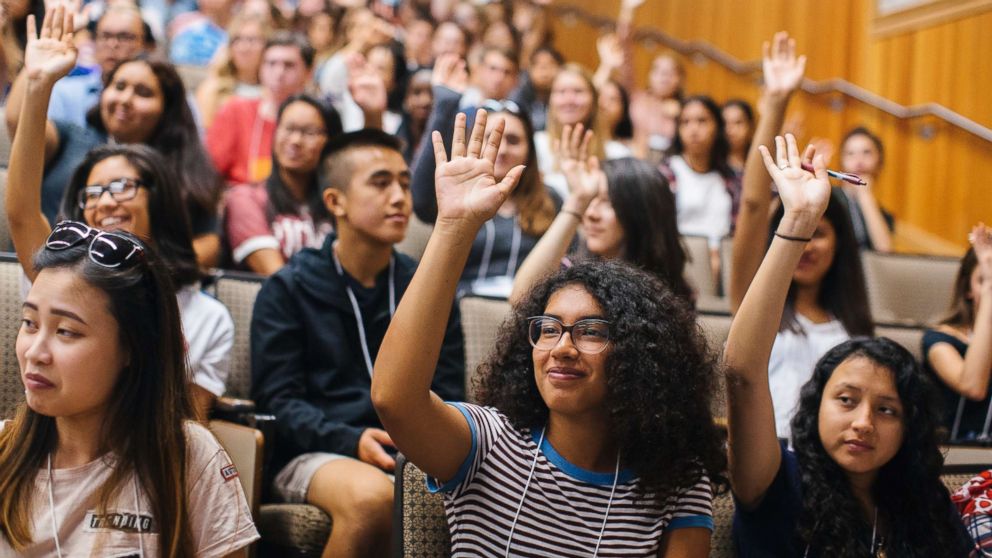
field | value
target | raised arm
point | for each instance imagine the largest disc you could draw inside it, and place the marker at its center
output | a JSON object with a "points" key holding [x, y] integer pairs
{"points": [[969, 375], [46, 59], [585, 182], [755, 455], [878, 228], [433, 435], [783, 73]]}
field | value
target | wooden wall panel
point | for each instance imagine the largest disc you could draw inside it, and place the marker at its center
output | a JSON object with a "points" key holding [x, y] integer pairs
{"points": [[939, 181]]}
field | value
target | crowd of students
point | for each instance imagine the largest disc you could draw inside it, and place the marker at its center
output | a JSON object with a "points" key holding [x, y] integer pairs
{"points": [[321, 130]]}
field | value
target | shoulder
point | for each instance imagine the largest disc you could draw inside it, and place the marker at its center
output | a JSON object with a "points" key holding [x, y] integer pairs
{"points": [[932, 337], [201, 445], [204, 306], [254, 194]]}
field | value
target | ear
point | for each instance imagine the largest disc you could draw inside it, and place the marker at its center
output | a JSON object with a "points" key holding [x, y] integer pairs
{"points": [[334, 201]]}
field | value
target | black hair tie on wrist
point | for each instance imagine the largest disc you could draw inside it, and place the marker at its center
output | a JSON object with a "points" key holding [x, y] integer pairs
{"points": [[792, 238]]}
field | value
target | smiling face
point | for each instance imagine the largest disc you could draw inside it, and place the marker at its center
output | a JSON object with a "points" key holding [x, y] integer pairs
{"points": [[605, 236], [299, 139], [109, 214], [571, 382], [376, 204], [861, 417], [68, 346], [132, 103], [571, 98], [818, 255], [246, 49]]}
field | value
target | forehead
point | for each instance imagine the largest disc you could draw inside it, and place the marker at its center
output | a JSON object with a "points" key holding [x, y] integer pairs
{"points": [[859, 142], [513, 124], [366, 161], [287, 53], [111, 168], [570, 80], [573, 302], [865, 374], [136, 71], [301, 111], [695, 109], [119, 20], [65, 289]]}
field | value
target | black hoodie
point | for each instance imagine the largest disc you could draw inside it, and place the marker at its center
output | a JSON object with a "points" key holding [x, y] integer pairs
{"points": [[307, 364]]}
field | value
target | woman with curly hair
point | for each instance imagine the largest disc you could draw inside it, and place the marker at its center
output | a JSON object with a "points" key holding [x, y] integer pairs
{"points": [[864, 476], [607, 428]]}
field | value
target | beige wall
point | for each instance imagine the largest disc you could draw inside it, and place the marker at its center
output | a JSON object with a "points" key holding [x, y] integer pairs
{"points": [[940, 184]]}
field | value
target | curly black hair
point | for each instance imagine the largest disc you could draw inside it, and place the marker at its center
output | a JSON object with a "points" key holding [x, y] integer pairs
{"points": [[660, 375], [908, 490]]}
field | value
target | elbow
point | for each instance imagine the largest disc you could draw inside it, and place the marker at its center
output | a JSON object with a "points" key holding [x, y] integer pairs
{"points": [[382, 400], [975, 393]]}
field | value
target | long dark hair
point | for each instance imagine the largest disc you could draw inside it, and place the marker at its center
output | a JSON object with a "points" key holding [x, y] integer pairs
{"points": [[144, 427], [721, 147], [645, 208], [534, 204], [659, 374], [176, 138], [962, 311], [908, 490], [281, 201], [170, 227], [624, 128], [748, 112], [842, 289]]}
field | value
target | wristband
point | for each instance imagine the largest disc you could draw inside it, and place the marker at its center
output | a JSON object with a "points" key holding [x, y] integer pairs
{"points": [[792, 238], [575, 214]]}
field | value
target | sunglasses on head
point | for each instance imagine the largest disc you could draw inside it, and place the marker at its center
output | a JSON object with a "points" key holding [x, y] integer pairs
{"points": [[506, 105], [106, 249]]}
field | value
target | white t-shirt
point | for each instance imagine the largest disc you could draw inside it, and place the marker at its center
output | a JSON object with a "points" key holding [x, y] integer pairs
{"points": [[219, 519], [794, 355], [702, 204], [209, 332]]}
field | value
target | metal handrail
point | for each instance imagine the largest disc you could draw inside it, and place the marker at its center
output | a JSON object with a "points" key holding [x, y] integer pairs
{"points": [[743, 68]]}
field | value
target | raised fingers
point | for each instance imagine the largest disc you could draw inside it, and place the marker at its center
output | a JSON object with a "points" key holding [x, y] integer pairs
{"points": [[793, 151], [478, 133], [32, 28], [586, 143], [492, 144], [57, 21], [770, 165], [781, 154], [458, 139]]}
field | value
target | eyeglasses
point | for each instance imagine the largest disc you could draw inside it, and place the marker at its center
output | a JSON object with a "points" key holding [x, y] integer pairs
{"points": [[105, 249], [590, 336], [123, 38], [506, 105], [122, 189], [237, 39], [309, 134]]}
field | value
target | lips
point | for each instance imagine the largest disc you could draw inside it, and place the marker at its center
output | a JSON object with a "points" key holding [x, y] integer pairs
{"points": [[34, 381], [565, 376], [398, 218], [858, 446]]}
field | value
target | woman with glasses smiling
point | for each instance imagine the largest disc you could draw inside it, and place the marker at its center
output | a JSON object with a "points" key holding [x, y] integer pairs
{"points": [[121, 187], [592, 434], [101, 459], [266, 224]]}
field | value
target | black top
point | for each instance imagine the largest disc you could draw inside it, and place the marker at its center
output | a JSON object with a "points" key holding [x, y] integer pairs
{"points": [[307, 364], [974, 413]]}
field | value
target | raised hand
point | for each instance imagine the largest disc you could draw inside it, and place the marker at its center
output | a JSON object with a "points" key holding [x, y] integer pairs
{"points": [[449, 71], [366, 86], [581, 170], [467, 192], [611, 52], [51, 55], [804, 194], [783, 70], [981, 241]]}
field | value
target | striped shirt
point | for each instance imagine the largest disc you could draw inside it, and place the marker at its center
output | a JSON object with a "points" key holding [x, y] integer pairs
{"points": [[564, 506]]}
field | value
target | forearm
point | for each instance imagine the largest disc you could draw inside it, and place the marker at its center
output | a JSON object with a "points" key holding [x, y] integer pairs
{"points": [[753, 217], [547, 253], [978, 358], [878, 229], [15, 98], [28, 226]]}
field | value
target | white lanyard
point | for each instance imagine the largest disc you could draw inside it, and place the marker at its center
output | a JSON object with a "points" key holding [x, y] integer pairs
{"points": [[358, 311], [487, 251]]}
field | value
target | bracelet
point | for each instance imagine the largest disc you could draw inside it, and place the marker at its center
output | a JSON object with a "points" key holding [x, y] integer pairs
{"points": [[575, 214], [793, 238]]}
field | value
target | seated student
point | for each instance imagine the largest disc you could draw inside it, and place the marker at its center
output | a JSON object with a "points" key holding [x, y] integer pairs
{"points": [[959, 351], [864, 477], [738, 127], [594, 407], [534, 91], [861, 153], [235, 72], [626, 212], [102, 459], [120, 187], [827, 302], [418, 99], [144, 103], [316, 330], [239, 139], [267, 223], [506, 240], [974, 502]]}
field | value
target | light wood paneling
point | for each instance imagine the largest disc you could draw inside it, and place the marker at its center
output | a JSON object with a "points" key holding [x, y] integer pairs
{"points": [[936, 176]]}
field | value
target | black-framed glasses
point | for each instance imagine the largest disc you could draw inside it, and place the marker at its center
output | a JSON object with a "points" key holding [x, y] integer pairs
{"points": [[104, 248], [122, 189], [506, 105], [307, 133], [590, 336], [123, 38]]}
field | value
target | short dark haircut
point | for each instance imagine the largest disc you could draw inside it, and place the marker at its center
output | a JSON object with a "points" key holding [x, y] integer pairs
{"points": [[147, 37], [292, 39], [336, 169], [505, 53], [550, 51]]}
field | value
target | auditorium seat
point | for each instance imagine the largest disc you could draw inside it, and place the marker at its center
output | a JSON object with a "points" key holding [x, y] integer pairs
{"points": [[5, 242], [419, 525], [415, 241], [11, 388], [907, 336], [481, 319], [908, 289], [698, 271]]}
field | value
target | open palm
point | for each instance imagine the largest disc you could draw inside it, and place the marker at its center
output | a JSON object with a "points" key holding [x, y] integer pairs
{"points": [[783, 70], [801, 191], [51, 55], [467, 190], [582, 171]]}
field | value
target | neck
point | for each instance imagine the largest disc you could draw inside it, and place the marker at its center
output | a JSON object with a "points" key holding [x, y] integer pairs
{"points": [[697, 162], [861, 484], [583, 440], [297, 184], [362, 258], [79, 440], [806, 302], [249, 76], [737, 158]]}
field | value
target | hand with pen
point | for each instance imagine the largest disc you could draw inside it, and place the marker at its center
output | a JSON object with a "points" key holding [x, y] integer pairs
{"points": [[804, 193]]}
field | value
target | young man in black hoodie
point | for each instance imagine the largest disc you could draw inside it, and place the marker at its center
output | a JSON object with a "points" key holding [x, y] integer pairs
{"points": [[315, 333]]}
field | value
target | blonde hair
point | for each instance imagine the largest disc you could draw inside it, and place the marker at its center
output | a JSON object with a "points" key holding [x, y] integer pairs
{"points": [[223, 75], [591, 122]]}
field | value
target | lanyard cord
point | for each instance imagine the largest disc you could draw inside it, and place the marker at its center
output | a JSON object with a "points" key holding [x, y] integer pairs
{"points": [[959, 415], [358, 311], [487, 251]]}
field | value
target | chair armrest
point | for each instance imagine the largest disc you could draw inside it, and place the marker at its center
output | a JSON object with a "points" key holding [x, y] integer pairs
{"points": [[234, 405]]}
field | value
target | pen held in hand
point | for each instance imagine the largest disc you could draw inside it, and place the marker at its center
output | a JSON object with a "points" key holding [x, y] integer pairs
{"points": [[845, 176]]}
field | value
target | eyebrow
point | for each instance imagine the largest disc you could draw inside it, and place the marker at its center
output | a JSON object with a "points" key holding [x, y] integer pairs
{"points": [[589, 317], [858, 389], [57, 312]]}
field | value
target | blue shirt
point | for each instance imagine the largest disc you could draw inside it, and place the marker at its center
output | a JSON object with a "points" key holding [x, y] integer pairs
{"points": [[73, 96], [196, 44]]}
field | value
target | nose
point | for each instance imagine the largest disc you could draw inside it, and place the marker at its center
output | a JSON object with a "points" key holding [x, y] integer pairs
{"points": [[37, 352], [565, 350], [863, 422], [106, 200]]}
